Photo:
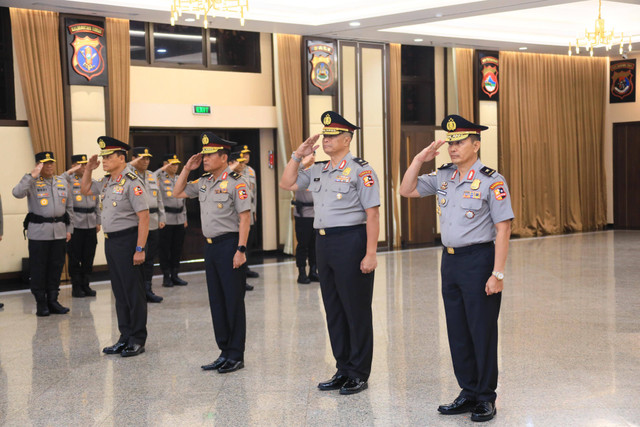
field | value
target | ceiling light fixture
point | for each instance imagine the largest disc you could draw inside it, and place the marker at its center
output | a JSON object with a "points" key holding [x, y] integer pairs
{"points": [[205, 8], [354, 24], [523, 48], [418, 40], [600, 37]]}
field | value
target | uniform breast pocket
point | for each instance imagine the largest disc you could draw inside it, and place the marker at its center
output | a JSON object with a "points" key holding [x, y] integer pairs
{"points": [[62, 192], [315, 186], [471, 207], [341, 187], [220, 200], [202, 195]]}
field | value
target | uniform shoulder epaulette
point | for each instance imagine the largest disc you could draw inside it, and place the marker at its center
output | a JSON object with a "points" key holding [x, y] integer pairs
{"points": [[361, 162], [488, 171], [446, 166], [322, 162], [132, 175], [204, 175], [235, 175]]}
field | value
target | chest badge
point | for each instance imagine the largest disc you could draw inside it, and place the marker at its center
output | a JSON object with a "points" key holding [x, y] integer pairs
{"points": [[470, 214], [339, 196], [115, 204], [443, 202], [444, 185], [220, 205], [438, 210], [223, 184], [475, 184], [44, 202], [169, 193]]}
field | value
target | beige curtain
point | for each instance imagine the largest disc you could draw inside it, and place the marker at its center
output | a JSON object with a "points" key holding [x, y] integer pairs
{"points": [[551, 137], [35, 37], [464, 80], [395, 132], [290, 76], [119, 61]]}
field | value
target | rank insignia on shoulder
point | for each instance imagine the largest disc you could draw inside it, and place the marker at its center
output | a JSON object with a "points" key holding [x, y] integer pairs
{"points": [[446, 166], [205, 174], [361, 162], [434, 173], [235, 175], [487, 171], [132, 175]]}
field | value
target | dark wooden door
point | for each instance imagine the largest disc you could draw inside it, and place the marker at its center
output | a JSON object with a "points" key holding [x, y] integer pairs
{"points": [[626, 175], [418, 215]]}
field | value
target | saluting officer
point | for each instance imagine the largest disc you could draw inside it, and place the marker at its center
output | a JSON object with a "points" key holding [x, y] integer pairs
{"points": [[172, 235], [140, 162], [86, 220], [238, 164], [49, 226], [225, 208], [305, 234], [251, 177], [475, 219], [346, 198], [125, 223]]}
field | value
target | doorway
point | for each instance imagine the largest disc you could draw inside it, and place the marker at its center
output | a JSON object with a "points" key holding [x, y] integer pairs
{"points": [[626, 175]]}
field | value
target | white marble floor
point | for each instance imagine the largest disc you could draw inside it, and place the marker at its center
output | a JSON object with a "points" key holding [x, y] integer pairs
{"points": [[569, 349]]}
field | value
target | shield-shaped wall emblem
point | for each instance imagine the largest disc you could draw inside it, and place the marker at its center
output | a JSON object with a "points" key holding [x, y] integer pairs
{"points": [[622, 84], [489, 79], [322, 66], [87, 56]]}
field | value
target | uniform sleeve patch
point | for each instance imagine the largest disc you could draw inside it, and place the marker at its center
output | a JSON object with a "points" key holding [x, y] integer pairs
{"points": [[500, 193], [368, 180], [242, 193], [363, 173], [241, 185], [137, 190], [496, 184]]}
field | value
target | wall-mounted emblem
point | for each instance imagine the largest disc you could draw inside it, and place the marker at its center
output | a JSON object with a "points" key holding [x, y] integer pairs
{"points": [[87, 52], [322, 66], [489, 83], [623, 79]]}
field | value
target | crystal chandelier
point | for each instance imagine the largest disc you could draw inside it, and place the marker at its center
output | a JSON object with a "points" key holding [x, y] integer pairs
{"points": [[600, 37], [205, 8]]}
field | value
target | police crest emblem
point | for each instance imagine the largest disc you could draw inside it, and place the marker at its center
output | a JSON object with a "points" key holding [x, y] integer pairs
{"points": [[87, 59], [490, 75], [323, 65], [622, 74]]}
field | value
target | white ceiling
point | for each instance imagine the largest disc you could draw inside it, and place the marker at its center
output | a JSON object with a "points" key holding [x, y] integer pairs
{"points": [[538, 25]]}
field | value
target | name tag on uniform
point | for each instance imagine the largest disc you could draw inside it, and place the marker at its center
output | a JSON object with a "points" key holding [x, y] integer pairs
{"points": [[118, 189], [441, 192], [316, 179], [203, 189]]}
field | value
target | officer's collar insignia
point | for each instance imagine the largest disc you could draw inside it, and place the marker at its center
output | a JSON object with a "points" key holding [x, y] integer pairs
{"points": [[205, 139], [451, 125], [326, 167], [342, 164], [471, 174], [326, 120], [101, 143], [224, 176], [455, 173]]}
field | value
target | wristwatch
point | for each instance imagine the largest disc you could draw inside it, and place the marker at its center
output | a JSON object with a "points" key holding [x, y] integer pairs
{"points": [[242, 249], [139, 249], [293, 156], [498, 275]]}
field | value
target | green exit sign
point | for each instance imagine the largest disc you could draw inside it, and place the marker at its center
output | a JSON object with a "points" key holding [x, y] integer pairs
{"points": [[201, 109]]}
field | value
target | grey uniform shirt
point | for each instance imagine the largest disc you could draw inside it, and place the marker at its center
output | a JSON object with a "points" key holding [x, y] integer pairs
{"points": [[221, 200], [83, 220], [304, 196], [252, 179], [341, 194], [154, 199], [468, 208], [49, 198], [166, 184], [120, 198]]}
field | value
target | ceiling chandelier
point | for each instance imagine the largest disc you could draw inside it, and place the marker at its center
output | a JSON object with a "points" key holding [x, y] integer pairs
{"points": [[205, 8], [600, 37]]}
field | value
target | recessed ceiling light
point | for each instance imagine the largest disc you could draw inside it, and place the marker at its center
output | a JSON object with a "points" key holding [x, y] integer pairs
{"points": [[438, 15], [523, 48], [190, 20], [354, 24], [418, 40]]}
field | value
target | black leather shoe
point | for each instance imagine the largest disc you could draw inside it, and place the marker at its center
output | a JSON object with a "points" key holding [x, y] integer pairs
{"points": [[77, 292], [151, 297], [336, 382], [177, 280], [88, 291], [248, 287], [215, 364], [56, 308], [42, 309], [132, 350], [252, 274], [115, 349], [353, 386], [484, 411], [1, 305], [459, 406], [166, 280], [313, 273], [303, 279], [230, 366]]}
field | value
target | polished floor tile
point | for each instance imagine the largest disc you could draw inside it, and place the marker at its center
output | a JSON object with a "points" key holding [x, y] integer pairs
{"points": [[569, 349]]}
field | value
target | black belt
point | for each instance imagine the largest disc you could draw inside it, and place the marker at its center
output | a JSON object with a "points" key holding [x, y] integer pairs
{"points": [[153, 210], [466, 249], [121, 233], [337, 230], [173, 210], [37, 219], [217, 239], [84, 210]]}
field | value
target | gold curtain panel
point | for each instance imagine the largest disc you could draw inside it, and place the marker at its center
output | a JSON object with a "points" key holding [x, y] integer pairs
{"points": [[119, 57]]}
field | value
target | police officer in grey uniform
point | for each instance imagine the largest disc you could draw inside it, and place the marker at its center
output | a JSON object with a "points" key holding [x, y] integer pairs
{"points": [[86, 220], [346, 199], [157, 219], [475, 221], [49, 226], [305, 234], [125, 223], [172, 235], [225, 209], [250, 175]]}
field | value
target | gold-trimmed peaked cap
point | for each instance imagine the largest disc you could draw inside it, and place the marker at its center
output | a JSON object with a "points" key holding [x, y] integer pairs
{"points": [[80, 159], [171, 158], [211, 143], [110, 145], [237, 156], [245, 150], [335, 124], [45, 156], [141, 152], [459, 128]]}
